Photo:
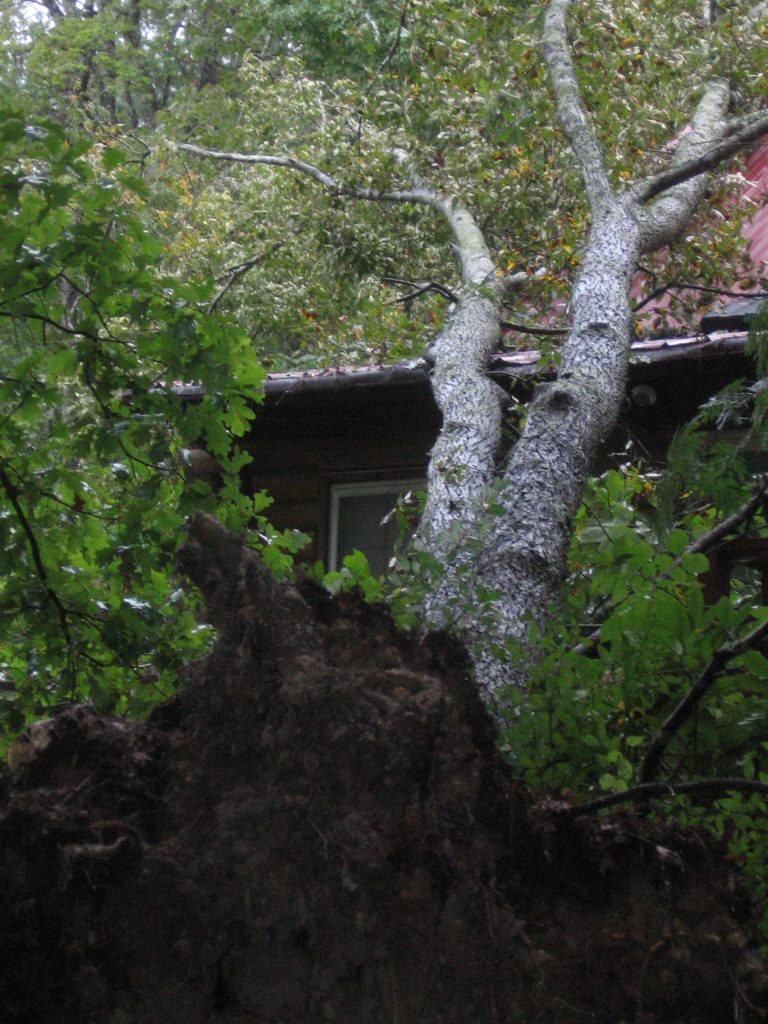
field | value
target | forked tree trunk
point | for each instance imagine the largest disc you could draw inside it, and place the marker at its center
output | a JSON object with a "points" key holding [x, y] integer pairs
{"points": [[504, 567], [501, 551]]}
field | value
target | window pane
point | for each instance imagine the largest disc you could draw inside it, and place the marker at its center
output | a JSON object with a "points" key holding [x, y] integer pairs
{"points": [[360, 512]]}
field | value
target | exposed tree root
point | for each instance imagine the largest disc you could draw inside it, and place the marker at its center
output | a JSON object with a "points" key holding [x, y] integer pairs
{"points": [[318, 828]]}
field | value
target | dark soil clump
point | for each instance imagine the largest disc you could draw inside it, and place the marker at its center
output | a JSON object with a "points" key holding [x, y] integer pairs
{"points": [[318, 828]]}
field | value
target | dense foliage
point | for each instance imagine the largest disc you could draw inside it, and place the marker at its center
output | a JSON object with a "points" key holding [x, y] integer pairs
{"points": [[95, 433]]}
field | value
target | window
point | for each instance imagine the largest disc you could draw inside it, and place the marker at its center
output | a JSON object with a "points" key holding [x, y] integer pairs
{"points": [[357, 520]]}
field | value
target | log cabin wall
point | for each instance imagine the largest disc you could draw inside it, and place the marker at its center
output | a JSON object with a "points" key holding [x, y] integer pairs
{"points": [[318, 429], [305, 439]]}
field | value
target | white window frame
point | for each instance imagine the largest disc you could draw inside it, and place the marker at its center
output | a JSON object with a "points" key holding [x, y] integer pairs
{"points": [[362, 488]]}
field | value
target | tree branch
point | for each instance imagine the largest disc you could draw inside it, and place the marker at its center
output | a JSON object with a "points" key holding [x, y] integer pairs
{"points": [[387, 59], [13, 496], [701, 545], [413, 195], [663, 221], [419, 289], [746, 133], [547, 332], [570, 107], [712, 537], [651, 790], [688, 704], [685, 286], [476, 264], [50, 322], [234, 274]]}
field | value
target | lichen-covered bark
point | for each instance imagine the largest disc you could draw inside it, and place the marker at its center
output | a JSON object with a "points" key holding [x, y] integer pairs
{"points": [[516, 579], [463, 460], [524, 558]]}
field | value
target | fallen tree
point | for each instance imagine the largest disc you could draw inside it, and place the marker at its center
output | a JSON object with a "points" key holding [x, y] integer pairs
{"points": [[536, 492], [318, 827]]}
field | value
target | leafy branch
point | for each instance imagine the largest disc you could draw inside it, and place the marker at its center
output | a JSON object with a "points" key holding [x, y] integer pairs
{"points": [[476, 263], [672, 724], [13, 496], [76, 332], [700, 545]]}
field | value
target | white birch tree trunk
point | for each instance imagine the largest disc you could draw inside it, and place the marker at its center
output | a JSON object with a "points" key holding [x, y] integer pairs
{"points": [[526, 537], [501, 571]]}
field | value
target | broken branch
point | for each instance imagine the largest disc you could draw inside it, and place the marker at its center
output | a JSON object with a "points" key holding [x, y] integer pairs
{"points": [[750, 131]]}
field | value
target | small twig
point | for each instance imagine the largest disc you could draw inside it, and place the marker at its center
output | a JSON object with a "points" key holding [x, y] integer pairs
{"points": [[419, 289], [684, 286], [233, 274], [691, 700], [75, 509], [651, 790], [387, 60]]}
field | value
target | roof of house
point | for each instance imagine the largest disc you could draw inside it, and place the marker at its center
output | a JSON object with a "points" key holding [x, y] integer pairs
{"points": [[756, 191], [723, 330]]}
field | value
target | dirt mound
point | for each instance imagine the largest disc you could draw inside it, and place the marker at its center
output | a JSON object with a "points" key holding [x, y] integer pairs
{"points": [[318, 828]]}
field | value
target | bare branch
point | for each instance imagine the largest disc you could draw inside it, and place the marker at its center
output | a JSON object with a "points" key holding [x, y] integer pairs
{"points": [[685, 286], [233, 274], [414, 195], [387, 60], [655, 790], [547, 332], [476, 264], [688, 704], [712, 537], [570, 107], [418, 289]]}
